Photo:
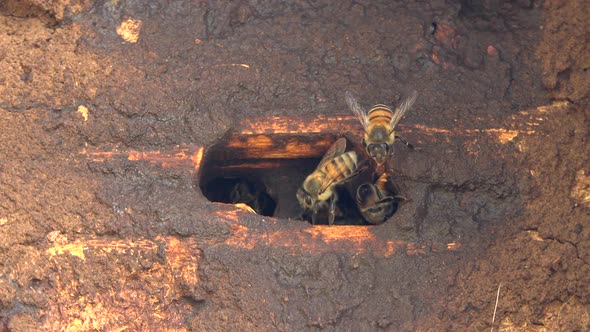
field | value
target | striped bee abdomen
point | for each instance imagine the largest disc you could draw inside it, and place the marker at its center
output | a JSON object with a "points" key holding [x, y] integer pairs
{"points": [[341, 167], [380, 113]]}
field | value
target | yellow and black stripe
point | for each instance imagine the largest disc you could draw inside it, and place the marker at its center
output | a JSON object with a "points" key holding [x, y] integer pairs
{"points": [[380, 114], [341, 167]]}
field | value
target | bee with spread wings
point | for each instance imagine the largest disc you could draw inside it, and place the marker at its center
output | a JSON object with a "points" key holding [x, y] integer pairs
{"points": [[379, 125]]}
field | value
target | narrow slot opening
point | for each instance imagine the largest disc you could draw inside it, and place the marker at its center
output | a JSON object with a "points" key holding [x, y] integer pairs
{"points": [[265, 171]]}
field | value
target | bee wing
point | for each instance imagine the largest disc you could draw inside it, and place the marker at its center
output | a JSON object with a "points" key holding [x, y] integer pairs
{"points": [[357, 109], [403, 108], [328, 184], [333, 181], [335, 150]]}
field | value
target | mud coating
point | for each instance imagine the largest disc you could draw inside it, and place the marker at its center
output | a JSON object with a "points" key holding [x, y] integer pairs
{"points": [[107, 107]]}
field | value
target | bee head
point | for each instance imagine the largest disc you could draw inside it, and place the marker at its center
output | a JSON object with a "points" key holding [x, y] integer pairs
{"points": [[305, 199], [378, 151]]}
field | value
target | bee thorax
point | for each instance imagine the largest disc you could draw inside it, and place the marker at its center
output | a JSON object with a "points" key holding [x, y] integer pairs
{"points": [[313, 183], [380, 134]]}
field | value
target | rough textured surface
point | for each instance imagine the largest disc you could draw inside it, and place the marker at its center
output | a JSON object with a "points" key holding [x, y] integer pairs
{"points": [[103, 225], [566, 73]]}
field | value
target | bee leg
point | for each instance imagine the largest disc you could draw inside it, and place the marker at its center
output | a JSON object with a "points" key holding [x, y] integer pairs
{"points": [[332, 210], [314, 215], [399, 199], [403, 140]]}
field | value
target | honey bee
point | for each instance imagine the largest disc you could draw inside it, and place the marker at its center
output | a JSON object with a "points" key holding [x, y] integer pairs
{"points": [[247, 193], [377, 202], [318, 189], [379, 124]]}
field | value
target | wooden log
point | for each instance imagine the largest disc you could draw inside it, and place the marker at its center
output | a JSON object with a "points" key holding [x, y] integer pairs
{"points": [[308, 136]]}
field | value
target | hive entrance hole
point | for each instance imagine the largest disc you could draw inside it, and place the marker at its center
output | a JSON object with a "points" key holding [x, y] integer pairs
{"points": [[265, 171], [267, 186]]}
